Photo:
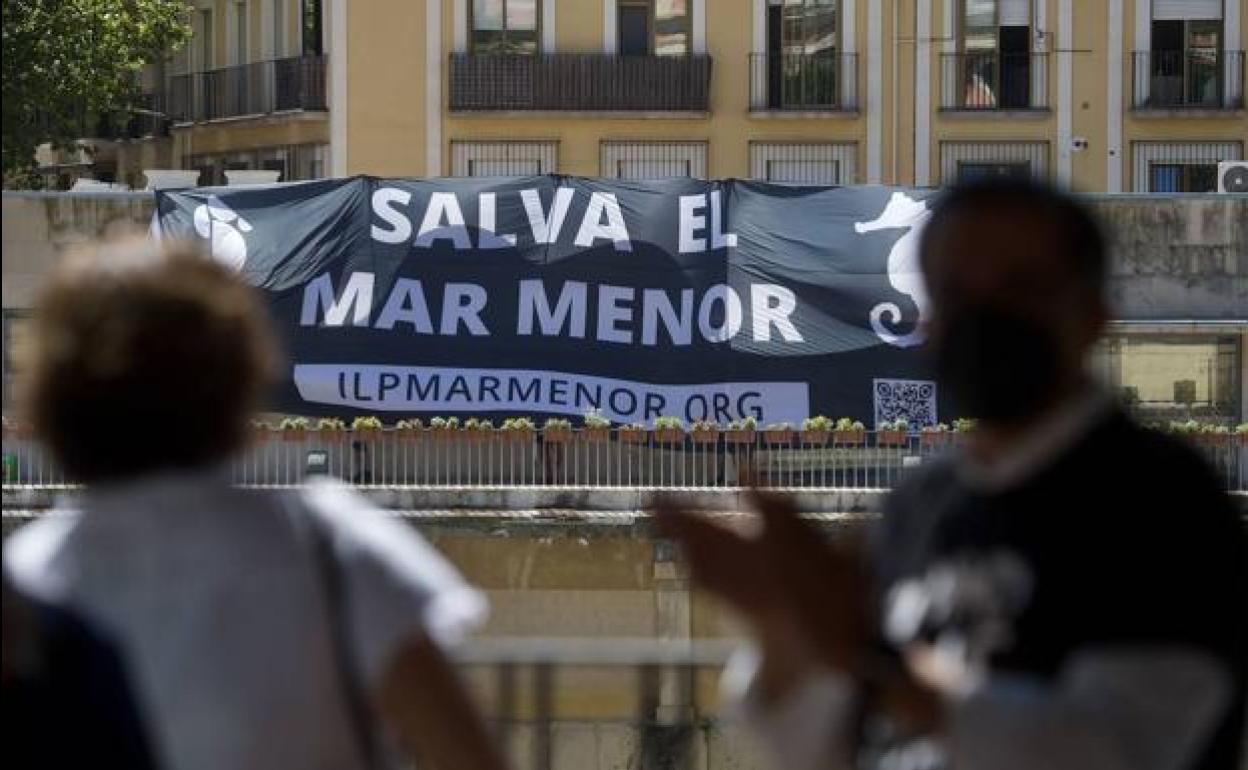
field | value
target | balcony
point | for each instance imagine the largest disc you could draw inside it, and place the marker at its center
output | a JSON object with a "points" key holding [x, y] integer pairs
{"points": [[994, 82], [579, 82], [784, 82], [259, 88], [1187, 80]]}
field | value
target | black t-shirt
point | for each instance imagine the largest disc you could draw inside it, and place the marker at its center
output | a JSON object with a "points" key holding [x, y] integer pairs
{"points": [[1127, 537]]}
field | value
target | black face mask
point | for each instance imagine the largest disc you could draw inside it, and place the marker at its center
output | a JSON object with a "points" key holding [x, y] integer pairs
{"points": [[998, 367]]}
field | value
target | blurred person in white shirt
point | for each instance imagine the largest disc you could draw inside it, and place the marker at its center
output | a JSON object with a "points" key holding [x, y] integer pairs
{"points": [[261, 629]]}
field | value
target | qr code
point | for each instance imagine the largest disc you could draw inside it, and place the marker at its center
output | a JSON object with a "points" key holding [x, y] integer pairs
{"points": [[911, 400]]}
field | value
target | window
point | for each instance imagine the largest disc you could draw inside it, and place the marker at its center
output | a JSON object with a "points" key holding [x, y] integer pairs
{"points": [[1180, 166], [802, 66], [296, 162], [240, 33], [1163, 377], [310, 13], [279, 28], [504, 26], [652, 160], [994, 66], [976, 172], [1186, 54], [964, 161], [206, 42], [503, 158], [821, 163], [653, 27]]}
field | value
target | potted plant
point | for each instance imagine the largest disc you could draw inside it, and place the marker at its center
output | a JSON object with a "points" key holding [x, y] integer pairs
{"points": [[1215, 435], [294, 428], [261, 430], [518, 429], [477, 429], [444, 428], [330, 427], [633, 433], [892, 433], [963, 425], [557, 430], [704, 432], [668, 430], [816, 430], [849, 432], [934, 435], [778, 433], [741, 431], [597, 428], [366, 427], [409, 430], [1241, 433]]}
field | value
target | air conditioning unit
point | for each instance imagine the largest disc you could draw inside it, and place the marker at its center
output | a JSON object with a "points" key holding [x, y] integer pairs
{"points": [[1233, 176]]}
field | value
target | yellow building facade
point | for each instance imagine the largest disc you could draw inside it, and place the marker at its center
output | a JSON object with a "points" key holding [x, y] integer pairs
{"points": [[1097, 95]]}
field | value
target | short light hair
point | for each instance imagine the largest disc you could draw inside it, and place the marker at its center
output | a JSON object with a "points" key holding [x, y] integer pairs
{"points": [[144, 357]]}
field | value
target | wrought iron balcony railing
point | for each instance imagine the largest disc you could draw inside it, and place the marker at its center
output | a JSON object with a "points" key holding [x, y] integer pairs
{"points": [[1192, 79], [804, 82], [994, 81], [580, 82], [259, 88]]}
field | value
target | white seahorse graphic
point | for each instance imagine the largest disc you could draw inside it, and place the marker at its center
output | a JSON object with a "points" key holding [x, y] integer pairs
{"points": [[903, 267]]}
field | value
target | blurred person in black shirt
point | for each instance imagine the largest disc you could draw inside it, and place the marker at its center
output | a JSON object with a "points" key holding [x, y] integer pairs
{"points": [[1067, 590]]}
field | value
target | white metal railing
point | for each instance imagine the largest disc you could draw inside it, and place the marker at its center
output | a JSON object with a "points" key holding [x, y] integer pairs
{"points": [[604, 458]]}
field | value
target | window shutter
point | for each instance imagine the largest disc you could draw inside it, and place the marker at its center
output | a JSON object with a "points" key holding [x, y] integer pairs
{"points": [[1171, 10], [1015, 13]]}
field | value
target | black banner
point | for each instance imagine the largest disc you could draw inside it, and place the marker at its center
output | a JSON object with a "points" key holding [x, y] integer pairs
{"points": [[557, 295]]}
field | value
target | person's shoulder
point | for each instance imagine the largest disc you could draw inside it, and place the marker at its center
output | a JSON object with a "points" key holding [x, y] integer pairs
{"points": [[32, 554]]}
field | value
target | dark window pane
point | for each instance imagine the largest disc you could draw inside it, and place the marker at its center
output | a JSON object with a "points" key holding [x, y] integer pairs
{"points": [[634, 30], [1202, 177]]}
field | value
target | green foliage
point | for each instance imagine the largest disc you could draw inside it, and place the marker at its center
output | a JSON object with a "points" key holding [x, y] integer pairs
{"points": [[474, 423], [330, 423], [557, 423], [963, 425], [412, 424], [818, 422], [366, 423], [294, 423], [518, 423], [939, 427], [900, 424], [704, 426], [67, 60], [594, 419], [1241, 429], [745, 423], [668, 423]]}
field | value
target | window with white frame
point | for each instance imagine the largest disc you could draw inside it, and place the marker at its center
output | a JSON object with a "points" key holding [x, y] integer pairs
{"points": [[475, 158], [815, 163], [1180, 166], [504, 26], [652, 160], [971, 161]]}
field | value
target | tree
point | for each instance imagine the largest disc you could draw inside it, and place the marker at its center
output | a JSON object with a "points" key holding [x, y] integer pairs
{"points": [[67, 60]]}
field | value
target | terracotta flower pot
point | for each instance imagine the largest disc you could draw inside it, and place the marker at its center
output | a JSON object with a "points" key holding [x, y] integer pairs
{"points": [[890, 438], [557, 435], [633, 436], [294, 434], [366, 434], [850, 437], [778, 436], [814, 437], [669, 436], [330, 434], [408, 434], [744, 436], [518, 435], [704, 436], [930, 438], [596, 435]]}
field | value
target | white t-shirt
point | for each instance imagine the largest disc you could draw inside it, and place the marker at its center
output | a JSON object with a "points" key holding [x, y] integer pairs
{"points": [[219, 609]]}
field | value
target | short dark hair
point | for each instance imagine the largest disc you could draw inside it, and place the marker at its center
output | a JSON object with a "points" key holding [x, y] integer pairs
{"points": [[1080, 234], [143, 358]]}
